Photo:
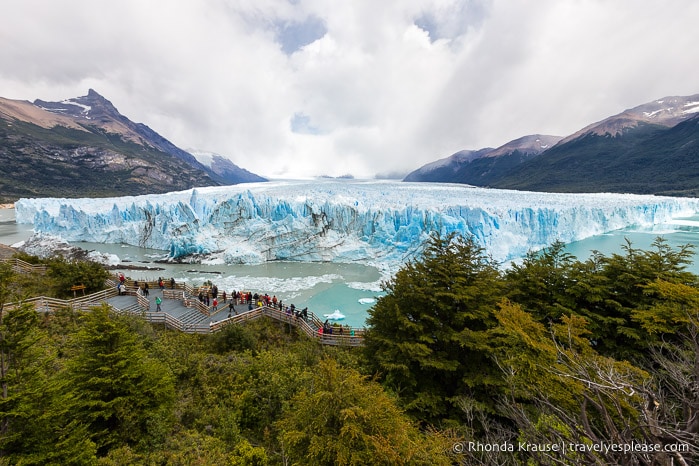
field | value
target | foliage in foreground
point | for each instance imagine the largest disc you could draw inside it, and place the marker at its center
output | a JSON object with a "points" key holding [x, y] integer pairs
{"points": [[103, 388], [553, 351]]}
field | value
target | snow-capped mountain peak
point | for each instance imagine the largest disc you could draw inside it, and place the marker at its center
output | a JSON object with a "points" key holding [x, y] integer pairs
{"points": [[224, 167]]}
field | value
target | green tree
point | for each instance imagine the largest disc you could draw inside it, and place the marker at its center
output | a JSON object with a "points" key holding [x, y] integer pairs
{"points": [[426, 337], [628, 277], [541, 282], [18, 338], [67, 273], [343, 419], [36, 425], [123, 395], [233, 337]]}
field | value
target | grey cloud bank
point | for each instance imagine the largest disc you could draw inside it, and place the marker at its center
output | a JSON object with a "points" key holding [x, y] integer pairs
{"points": [[296, 89]]}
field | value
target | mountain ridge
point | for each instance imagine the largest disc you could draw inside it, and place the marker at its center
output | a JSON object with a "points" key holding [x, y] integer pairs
{"points": [[632, 151], [479, 167], [84, 147]]}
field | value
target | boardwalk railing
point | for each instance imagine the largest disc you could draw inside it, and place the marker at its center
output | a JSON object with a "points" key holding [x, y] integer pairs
{"points": [[311, 326], [164, 319], [20, 266], [46, 304]]}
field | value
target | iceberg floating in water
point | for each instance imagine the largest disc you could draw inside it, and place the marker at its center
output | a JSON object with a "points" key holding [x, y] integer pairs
{"points": [[366, 300], [337, 315], [343, 221]]}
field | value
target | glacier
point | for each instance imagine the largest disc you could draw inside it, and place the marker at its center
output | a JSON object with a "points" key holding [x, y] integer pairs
{"points": [[377, 222]]}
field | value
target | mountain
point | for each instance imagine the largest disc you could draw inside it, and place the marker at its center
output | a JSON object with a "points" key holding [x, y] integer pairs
{"points": [[666, 112], [83, 147], [648, 149], [224, 169], [482, 167]]}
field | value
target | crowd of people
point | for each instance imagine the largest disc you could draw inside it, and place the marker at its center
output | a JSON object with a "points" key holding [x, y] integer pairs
{"points": [[209, 296]]}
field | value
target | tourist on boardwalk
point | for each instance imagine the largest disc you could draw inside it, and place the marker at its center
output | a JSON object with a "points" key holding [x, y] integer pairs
{"points": [[327, 328], [120, 287], [215, 308], [145, 289], [161, 283], [224, 296], [231, 309], [172, 283], [158, 302]]}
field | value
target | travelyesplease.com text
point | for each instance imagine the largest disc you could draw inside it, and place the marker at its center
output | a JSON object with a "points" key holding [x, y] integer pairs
{"points": [[565, 447]]}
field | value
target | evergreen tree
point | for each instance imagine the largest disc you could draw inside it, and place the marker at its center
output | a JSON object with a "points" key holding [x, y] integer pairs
{"points": [[426, 337], [120, 393], [36, 427], [628, 278], [66, 273], [541, 282]]}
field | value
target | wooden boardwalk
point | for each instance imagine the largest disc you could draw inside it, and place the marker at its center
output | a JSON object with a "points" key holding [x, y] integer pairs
{"points": [[183, 312]]}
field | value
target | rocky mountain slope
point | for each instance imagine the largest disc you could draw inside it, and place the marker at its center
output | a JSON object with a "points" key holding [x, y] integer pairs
{"points": [[484, 166], [649, 149], [85, 147], [642, 159]]}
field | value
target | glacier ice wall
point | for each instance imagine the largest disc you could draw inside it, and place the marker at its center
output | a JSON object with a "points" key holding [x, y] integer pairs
{"points": [[342, 221]]}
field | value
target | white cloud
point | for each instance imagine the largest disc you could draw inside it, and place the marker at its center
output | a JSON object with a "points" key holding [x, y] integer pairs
{"points": [[311, 87]]}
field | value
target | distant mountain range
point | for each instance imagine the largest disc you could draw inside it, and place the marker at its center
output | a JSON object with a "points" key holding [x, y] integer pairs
{"points": [[649, 149], [223, 168], [83, 147]]}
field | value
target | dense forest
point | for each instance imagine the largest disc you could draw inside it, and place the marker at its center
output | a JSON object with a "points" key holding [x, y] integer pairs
{"points": [[551, 361]]}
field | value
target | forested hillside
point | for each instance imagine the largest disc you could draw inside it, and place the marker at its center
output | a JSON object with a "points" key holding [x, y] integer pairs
{"points": [[553, 361]]}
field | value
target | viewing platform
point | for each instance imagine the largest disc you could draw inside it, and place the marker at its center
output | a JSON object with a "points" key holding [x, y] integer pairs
{"points": [[181, 310]]}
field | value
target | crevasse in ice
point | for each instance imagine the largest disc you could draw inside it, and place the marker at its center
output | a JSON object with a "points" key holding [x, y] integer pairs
{"points": [[342, 221]]}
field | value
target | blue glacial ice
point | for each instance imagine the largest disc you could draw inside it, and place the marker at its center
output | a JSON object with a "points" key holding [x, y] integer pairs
{"points": [[342, 221]]}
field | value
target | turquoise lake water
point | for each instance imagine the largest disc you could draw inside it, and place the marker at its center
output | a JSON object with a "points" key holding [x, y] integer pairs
{"points": [[326, 287]]}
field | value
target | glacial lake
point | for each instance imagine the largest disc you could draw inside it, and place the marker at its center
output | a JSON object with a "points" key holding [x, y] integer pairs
{"points": [[326, 287]]}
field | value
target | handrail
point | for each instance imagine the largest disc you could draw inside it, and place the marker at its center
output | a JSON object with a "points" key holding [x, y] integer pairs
{"points": [[353, 337], [142, 300], [18, 265], [309, 326], [52, 304], [194, 303]]}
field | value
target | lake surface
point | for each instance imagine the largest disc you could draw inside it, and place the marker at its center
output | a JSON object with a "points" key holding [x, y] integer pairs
{"points": [[678, 233], [326, 287], [322, 287]]}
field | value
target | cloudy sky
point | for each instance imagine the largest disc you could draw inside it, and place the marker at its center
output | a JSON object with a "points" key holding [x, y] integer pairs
{"points": [[296, 88]]}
